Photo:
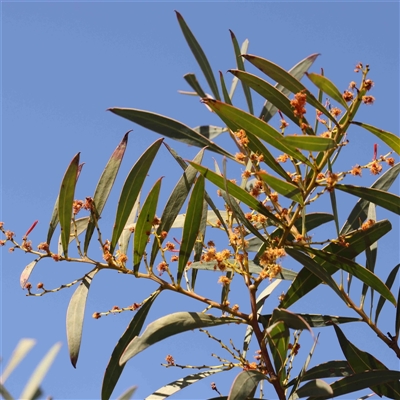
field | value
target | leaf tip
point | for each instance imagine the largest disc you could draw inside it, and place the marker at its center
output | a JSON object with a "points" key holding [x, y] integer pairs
{"points": [[232, 34], [178, 14]]}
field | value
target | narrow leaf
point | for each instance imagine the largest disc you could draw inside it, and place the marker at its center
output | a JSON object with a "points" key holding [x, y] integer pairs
{"points": [[131, 190], [144, 225], [114, 369], [128, 393], [123, 240], [397, 322], [245, 384], [75, 316], [26, 273], [191, 226], [65, 200], [278, 338], [194, 84], [393, 141], [4, 392], [225, 93], [77, 228], [315, 388], [199, 55], [105, 185], [310, 143], [210, 131], [40, 372], [170, 325], [243, 50], [292, 320], [315, 320], [286, 189], [168, 127]]}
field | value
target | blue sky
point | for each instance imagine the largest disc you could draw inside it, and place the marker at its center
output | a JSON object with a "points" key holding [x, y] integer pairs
{"points": [[64, 64]]}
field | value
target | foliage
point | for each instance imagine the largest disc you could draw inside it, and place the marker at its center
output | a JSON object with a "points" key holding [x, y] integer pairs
{"points": [[265, 218]]}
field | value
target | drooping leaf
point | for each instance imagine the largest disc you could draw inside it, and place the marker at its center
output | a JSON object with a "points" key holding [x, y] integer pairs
{"points": [[240, 66], [359, 212], [328, 87], [170, 325], [278, 338], [175, 386], [194, 84], [168, 127], [26, 273], [316, 388], [210, 131], [131, 190], [245, 384], [75, 315], [269, 110], [237, 119], [191, 226], [381, 198], [65, 200], [144, 225], [105, 185], [199, 55], [286, 189], [128, 393], [310, 143], [114, 369], [77, 228], [291, 319], [393, 141], [33, 385]]}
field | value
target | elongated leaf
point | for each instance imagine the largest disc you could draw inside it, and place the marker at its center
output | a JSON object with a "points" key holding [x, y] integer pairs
{"points": [[314, 388], [131, 190], [386, 200], [128, 393], [245, 384], [123, 240], [114, 369], [168, 127], [286, 189], [210, 131], [235, 191], [291, 320], [288, 81], [311, 143], [327, 86], [243, 50], [40, 372], [389, 282], [65, 200], [269, 92], [278, 338], [175, 386], [191, 226], [105, 185], [361, 361], [225, 93], [238, 119], [19, 353], [211, 217], [199, 55], [198, 246], [144, 225], [75, 315], [240, 66], [26, 273], [358, 242], [81, 226], [359, 212], [4, 392], [269, 110], [194, 84], [393, 141], [170, 325], [397, 322], [355, 269]]}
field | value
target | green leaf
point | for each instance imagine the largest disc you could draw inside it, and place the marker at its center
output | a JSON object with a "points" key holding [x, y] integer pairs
{"points": [[171, 325], [240, 66], [104, 186], [65, 200], [314, 388], [291, 320], [389, 282], [225, 93], [235, 191], [286, 189], [75, 315], [168, 127], [114, 369], [175, 386], [279, 75], [381, 198], [19, 353], [81, 225], [131, 190], [144, 225], [278, 338], [243, 50], [359, 212], [361, 361], [199, 55], [269, 92], [39, 373], [327, 86], [358, 242], [26, 273], [393, 141], [269, 110], [123, 240], [397, 322], [198, 246], [4, 392], [194, 84], [237, 119], [310, 143], [335, 261], [191, 226], [210, 131], [245, 384], [128, 393], [211, 218]]}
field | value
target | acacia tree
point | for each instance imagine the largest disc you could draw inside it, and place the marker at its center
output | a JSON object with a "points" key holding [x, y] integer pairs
{"points": [[265, 217]]}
